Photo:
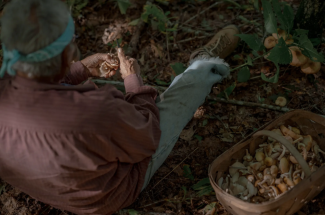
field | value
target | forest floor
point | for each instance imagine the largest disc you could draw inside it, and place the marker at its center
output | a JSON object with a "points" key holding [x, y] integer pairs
{"points": [[216, 126]]}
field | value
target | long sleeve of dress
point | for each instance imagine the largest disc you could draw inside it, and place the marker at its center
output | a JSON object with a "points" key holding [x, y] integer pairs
{"points": [[76, 75], [134, 120]]}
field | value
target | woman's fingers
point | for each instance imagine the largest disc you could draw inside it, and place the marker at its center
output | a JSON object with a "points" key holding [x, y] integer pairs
{"points": [[94, 72], [110, 74], [121, 54], [102, 57], [110, 59]]}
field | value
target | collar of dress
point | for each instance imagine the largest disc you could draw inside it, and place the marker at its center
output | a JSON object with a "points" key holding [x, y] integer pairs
{"points": [[20, 82]]}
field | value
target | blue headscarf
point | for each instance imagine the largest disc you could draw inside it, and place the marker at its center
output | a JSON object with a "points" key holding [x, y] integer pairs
{"points": [[50, 51]]}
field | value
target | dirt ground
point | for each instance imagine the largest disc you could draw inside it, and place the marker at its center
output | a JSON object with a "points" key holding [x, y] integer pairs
{"points": [[216, 126]]}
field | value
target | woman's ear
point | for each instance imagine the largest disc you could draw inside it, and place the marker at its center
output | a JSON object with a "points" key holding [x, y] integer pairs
{"points": [[77, 53], [68, 55], [66, 60]]}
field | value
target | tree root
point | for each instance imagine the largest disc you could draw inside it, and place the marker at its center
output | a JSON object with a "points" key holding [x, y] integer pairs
{"points": [[209, 97], [135, 38]]}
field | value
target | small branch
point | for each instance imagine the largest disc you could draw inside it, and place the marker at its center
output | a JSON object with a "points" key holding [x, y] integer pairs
{"points": [[246, 64], [190, 30], [167, 40], [175, 167], [126, 212], [175, 33], [193, 38], [234, 69], [210, 97], [249, 104], [167, 200], [215, 4], [136, 36], [151, 204], [121, 84]]}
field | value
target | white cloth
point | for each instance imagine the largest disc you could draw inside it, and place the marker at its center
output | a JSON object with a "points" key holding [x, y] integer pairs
{"points": [[179, 102]]}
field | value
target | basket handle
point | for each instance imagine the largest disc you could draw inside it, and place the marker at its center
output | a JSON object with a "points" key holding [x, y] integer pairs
{"points": [[288, 145]]}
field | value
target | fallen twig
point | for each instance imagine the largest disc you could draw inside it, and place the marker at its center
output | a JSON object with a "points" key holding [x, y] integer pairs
{"points": [[193, 38], [175, 167], [203, 11], [190, 30], [126, 212], [175, 34], [151, 204], [167, 38], [167, 200], [136, 36], [210, 97], [249, 104]]}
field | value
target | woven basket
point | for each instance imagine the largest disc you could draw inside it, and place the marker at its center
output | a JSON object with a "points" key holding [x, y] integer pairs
{"points": [[292, 200]]}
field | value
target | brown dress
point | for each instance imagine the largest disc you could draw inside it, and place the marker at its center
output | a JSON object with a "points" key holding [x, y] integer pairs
{"points": [[77, 148]]}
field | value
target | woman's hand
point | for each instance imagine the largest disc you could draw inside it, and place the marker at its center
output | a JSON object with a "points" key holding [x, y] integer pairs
{"points": [[128, 66], [93, 63]]}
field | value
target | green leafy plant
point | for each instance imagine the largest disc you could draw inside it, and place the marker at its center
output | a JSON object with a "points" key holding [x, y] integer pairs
{"points": [[123, 5], [113, 44], [178, 68], [244, 74], [133, 212], [187, 172], [277, 15], [204, 123], [76, 6], [225, 94], [158, 19], [203, 187], [198, 137]]}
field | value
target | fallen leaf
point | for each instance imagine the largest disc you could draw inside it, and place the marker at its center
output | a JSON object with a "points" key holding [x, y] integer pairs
{"points": [[245, 84], [187, 172], [156, 49], [178, 68], [23, 211], [113, 32], [178, 170], [209, 209], [198, 137], [187, 134], [133, 212], [227, 137], [268, 89], [246, 124], [224, 118], [9, 205], [159, 209], [141, 60], [170, 204]]}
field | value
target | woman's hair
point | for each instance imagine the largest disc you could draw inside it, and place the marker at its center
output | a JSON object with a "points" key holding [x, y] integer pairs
{"points": [[30, 25]]}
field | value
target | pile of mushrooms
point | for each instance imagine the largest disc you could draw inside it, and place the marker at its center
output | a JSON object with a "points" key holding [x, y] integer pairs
{"points": [[273, 170], [298, 59]]}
